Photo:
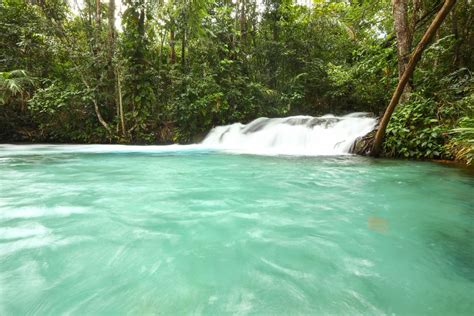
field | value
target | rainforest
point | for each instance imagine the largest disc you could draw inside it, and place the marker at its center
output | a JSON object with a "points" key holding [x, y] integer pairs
{"points": [[236, 157], [160, 72]]}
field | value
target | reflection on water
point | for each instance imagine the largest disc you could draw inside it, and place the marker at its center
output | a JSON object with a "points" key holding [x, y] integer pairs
{"points": [[458, 247], [377, 224]]}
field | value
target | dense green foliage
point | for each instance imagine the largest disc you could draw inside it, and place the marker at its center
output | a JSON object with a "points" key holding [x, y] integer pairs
{"points": [[423, 126], [415, 132], [174, 69], [463, 142]]}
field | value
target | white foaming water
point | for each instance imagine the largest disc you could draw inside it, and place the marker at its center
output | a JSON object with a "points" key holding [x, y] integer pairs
{"points": [[294, 135], [35, 212]]}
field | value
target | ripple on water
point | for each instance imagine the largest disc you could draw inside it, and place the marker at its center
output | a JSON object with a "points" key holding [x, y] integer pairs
{"points": [[23, 231], [118, 233], [38, 212]]}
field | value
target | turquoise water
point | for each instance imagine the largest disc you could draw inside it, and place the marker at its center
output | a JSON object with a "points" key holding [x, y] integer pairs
{"points": [[189, 231]]}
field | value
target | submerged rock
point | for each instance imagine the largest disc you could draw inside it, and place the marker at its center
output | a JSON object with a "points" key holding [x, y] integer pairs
{"points": [[256, 125], [326, 121], [363, 145]]}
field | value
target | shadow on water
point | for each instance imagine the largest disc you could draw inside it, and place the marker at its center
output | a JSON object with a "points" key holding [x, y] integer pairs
{"points": [[458, 247]]}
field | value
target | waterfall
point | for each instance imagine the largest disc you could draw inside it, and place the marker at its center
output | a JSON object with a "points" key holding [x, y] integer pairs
{"points": [[294, 135]]}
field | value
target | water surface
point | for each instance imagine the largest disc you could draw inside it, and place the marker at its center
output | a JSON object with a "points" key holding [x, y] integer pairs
{"points": [[185, 230]]}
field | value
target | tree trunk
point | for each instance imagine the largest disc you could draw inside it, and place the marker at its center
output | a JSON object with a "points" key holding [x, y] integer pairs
{"points": [[403, 35], [243, 24], [457, 43], [97, 13], [183, 49], [120, 105], [172, 47], [234, 38], [415, 16], [112, 33], [111, 53], [89, 12], [68, 44], [100, 118], [96, 53], [436, 57], [162, 43], [183, 45], [415, 57]]}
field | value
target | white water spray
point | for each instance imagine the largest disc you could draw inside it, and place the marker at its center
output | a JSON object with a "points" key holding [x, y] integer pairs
{"points": [[295, 135]]}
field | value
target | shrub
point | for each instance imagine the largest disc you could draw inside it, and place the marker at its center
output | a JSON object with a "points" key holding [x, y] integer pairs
{"points": [[415, 131], [462, 144]]}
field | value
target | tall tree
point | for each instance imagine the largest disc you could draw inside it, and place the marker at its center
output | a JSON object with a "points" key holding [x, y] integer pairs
{"points": [[404, 36], [96, 50], [114, 69], [415, 57]]}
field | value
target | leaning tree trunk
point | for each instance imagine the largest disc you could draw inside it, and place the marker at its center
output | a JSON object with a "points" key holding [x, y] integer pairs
{"points": [[430, 32]]}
